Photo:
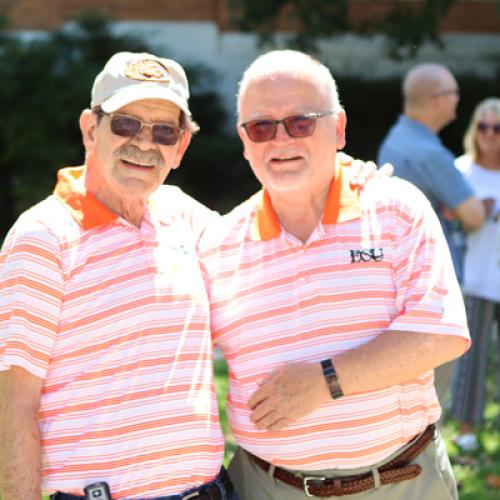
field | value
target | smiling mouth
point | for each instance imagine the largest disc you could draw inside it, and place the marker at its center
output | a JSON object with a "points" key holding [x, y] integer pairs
{"points": [[284, 160], [137, 165]]}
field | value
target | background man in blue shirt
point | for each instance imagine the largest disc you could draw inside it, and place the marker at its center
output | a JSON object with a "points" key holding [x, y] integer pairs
{"points": [[413, 147], [418, 155]]}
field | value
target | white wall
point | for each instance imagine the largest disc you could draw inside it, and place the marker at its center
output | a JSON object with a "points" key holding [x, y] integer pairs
{"points": [[229, 53]]}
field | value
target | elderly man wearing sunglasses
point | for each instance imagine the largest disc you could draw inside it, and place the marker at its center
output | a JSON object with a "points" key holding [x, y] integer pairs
{"points": [[106, 385], [332, 307]]}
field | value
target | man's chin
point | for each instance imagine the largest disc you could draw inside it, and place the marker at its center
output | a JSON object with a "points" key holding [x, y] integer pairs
{"points": [[287, 185]]}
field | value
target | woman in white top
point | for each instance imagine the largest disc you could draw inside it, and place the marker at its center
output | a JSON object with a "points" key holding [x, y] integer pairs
{"points": [[481, 283]]}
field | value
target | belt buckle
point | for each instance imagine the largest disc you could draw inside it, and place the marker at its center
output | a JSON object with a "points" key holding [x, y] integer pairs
{"points": [[305, 479]]}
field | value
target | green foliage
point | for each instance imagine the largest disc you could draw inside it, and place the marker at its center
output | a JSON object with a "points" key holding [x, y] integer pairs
{"points": [[213, 169], [222, 386], [472, 469], [316, 18], [407, 26], [44, 86]]}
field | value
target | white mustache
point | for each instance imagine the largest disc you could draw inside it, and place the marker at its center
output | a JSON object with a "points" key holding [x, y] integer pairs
{"points": [[133, 154]]}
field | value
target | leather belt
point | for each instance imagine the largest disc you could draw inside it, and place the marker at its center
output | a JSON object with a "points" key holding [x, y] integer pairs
{"points": [[209, 491], [397, 470]]}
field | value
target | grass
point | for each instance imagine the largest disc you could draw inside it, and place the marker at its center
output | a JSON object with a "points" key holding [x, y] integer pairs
{"points": [[470, 470]]}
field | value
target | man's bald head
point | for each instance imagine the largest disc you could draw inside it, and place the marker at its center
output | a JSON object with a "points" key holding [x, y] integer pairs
{"points": [[425, 81], [430, 95]]}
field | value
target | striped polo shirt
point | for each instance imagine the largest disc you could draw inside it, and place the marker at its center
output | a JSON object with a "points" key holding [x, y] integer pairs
{"points": [[376, 261], [115, 319]]}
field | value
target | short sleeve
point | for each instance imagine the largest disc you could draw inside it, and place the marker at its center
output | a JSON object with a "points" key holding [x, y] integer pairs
{"points": [[428, 295], [31, 283]]}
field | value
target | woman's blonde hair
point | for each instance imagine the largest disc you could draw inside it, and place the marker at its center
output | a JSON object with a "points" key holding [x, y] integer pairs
{"points": [[489, 105]]}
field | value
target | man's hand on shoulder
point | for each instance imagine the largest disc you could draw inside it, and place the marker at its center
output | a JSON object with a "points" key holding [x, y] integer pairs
{"points": [[361, 172]]}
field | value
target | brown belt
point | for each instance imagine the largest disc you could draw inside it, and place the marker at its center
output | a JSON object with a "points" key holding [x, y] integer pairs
{"points": [[397, 470]]}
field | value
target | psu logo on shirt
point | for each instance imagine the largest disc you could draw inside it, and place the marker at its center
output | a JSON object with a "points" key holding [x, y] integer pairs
{"points": [[366, 255]]}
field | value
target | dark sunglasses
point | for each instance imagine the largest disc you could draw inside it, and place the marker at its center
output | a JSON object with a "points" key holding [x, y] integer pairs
{"points": [[128, 126], [484, 127], [295, 126]]}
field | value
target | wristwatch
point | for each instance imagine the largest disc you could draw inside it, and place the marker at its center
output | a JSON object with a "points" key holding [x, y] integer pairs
{"points": [[331, 379]]}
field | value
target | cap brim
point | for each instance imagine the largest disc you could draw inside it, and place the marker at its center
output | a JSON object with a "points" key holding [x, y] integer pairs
{"points": [[133, 94]]}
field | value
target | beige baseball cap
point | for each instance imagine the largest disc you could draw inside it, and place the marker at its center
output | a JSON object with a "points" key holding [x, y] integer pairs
{"points": [[128, 77]]}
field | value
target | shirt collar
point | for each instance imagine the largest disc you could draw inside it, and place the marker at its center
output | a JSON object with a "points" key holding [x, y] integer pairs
{"points": [[84, 207], [342, 204]]}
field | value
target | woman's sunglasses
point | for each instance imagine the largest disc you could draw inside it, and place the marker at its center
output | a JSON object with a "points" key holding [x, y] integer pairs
{"points": [[484, 127], [295, 126]]}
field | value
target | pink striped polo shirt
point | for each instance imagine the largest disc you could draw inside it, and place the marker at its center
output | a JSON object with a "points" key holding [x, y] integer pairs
{"points": [[115, 319], [375, 262]]}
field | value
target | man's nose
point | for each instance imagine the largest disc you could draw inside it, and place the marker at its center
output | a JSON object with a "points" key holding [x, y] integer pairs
{"points": [[281, 133], [145, 134]]}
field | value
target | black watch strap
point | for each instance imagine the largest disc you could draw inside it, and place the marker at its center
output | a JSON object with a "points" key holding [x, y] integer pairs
{"points": [[331, 378]]}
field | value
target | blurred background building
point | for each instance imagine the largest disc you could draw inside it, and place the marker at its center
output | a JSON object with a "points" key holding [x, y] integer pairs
{"points": [[208, 32]]}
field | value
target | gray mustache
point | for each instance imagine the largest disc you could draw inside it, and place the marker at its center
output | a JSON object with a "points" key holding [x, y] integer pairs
{"points": [[133, 154]]}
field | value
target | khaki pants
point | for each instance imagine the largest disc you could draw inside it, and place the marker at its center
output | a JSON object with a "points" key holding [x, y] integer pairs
{"points": [[436, 481], [442, 382]]}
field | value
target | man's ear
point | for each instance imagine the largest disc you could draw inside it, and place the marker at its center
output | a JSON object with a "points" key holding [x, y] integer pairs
{"points": [[341, 121], [88, 126], [184, 142], [241, 134]]}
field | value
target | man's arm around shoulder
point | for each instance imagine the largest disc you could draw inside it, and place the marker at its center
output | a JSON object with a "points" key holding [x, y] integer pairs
{"points": [[20, 457]]}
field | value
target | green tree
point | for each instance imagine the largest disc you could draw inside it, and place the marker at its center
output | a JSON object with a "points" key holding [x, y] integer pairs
{"points": [[407, 25], [44, 85]]}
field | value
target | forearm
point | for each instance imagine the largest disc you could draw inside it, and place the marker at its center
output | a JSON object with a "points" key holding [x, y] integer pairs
{"points": [[394, 358], [297, 389], [20, 467], [471, 213], [20, 464]]}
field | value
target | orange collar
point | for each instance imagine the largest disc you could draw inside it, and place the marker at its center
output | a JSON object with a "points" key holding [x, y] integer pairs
{"points": [[84, 207], [342, 204]]}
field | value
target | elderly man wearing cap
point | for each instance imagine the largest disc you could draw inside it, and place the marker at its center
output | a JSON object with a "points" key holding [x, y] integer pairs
{"points": [[106, 385]]}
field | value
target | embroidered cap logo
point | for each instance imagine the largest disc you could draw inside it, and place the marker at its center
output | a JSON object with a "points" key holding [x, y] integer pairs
{"points": [[148, 70]]}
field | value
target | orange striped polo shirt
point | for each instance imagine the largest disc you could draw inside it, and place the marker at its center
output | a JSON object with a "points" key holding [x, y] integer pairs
{"points": [[115, 319], [375, 262]]}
